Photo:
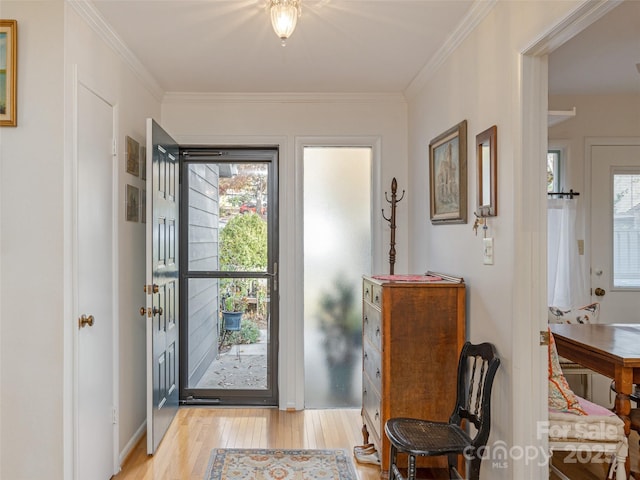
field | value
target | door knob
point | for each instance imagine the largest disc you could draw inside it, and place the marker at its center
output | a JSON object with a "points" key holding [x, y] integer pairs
{"points": [[157, 310], [85, 320], [143, 311], [600, 292]]}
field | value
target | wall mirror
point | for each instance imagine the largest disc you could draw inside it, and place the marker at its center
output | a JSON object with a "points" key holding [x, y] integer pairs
{"points": [[487, 153]]}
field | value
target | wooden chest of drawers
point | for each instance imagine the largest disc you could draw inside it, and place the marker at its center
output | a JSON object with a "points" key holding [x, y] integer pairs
{"points": [[413, 332]]}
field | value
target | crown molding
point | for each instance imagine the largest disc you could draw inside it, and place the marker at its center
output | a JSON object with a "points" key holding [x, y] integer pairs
{"points": [[195, 97], [474, 16], [92, 17]]}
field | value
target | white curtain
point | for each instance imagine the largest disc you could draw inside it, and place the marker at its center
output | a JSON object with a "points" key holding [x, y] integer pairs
{"points": [[565, 285]]}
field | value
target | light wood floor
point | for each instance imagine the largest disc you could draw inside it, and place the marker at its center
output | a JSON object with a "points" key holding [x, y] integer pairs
{"points": [[184, 452]]}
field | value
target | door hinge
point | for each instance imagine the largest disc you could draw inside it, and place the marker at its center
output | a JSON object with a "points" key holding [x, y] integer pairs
{"points": [[544, 337], [114, 416], [114, 150]]}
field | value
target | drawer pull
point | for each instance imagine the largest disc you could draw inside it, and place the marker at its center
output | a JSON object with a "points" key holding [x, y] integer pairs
{"points": [[377, 331], [377, 299], [377, 416], [366, 319], [378, 373], [366, 356], [366, 292]]}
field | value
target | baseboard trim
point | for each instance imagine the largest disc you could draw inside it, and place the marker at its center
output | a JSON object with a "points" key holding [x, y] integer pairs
{"points": [[133, 441]]}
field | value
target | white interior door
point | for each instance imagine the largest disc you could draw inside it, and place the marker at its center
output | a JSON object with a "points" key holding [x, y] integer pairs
{"points": [[615, 238], [94, 283], [162, 283]]}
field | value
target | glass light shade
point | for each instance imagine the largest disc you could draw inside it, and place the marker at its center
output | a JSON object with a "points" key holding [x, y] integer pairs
{"points": [[284, 16]]}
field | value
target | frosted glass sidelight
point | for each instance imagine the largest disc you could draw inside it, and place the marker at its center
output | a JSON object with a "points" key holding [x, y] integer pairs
{"points": [[337, 252]]}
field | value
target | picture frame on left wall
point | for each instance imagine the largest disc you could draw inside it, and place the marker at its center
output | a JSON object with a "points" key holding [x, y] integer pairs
{"points": [[133, 156], [8, 73], [132, 203]]}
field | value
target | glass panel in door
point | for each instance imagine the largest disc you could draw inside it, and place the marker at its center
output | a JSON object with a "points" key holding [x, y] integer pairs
{"points": [[231, 273]]}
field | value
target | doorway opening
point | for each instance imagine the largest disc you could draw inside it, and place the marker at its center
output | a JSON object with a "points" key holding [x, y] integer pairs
{"points": [[337, 252], [230, 276]]}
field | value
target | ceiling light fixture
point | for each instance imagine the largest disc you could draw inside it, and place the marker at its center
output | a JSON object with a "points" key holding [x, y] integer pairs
{"points": [[284, 16]]}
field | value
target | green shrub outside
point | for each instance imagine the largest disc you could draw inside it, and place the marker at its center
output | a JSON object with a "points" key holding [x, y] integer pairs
{"points": [[249, 333]]}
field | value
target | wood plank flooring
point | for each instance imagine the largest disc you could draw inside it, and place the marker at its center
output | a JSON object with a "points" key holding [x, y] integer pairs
{"points": [[184, 452]]}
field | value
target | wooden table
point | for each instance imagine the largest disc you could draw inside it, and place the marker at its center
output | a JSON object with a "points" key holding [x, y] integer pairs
{"points": [[612, 350]]}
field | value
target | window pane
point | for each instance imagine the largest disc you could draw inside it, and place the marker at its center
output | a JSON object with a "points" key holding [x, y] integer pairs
{"points": [[626, 230], [553, 171], [337, 251]]}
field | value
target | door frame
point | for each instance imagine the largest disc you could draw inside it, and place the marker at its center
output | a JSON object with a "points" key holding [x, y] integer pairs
{"points": [[529, 304], [270, 396], [295, 356], [72, 307]]}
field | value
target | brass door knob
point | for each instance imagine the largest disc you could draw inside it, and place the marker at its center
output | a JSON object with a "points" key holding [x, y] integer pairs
{"points": [[85, 321], [143, 311], [157, 310], [600, 292]]}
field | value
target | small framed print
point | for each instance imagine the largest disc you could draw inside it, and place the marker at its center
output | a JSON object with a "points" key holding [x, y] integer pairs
{"points": [[8, 72], [133, 156], [448, 176], [143, 206], [132, 203], [143, 162]]}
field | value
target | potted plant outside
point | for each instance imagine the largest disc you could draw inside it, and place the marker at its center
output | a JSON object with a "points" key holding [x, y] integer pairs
{"points": [[233, 308]]}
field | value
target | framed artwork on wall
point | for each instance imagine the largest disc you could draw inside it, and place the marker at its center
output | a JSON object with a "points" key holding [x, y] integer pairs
{"points": [[132, 203], [448, 176], [143, 162], [133, 156], [487, 155], [8, 72]]}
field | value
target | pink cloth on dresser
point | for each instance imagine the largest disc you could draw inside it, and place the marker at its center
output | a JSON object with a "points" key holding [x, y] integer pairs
{"points": [[408, 278]]}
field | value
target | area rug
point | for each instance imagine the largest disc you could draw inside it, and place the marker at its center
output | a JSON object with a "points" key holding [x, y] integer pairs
{"points": [[274, 464]]}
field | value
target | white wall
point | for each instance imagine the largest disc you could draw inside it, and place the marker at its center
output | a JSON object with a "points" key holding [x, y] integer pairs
{"points": [[289, 121], [36, 315], [481, 82], [32, 251], [135, 101]]}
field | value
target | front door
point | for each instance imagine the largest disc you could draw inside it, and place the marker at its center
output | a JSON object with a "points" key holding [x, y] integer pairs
{"points": [[162, 283], [229, 268], [615, 231], [94, 283], [615, 239]]}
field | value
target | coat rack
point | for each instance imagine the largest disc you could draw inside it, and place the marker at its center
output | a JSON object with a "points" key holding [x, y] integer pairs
{"points": [[392, 221]]}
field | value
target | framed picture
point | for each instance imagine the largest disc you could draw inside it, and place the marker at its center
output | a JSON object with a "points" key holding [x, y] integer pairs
{"points": [[8, 72], [143, 162], [133, 156], [132, 204], [487, 155], [448, 176], [143, 206]]}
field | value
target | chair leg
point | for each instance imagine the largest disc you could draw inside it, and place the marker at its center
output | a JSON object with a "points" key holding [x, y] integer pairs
{"points": [[474, 468], [412, 468], [393, 455]]}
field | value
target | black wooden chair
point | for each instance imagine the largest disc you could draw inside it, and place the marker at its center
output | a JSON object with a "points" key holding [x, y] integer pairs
{"points": [[477, 368]]}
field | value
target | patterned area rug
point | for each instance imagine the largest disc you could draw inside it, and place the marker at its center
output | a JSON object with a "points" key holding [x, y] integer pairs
{"points": [[270, 464]]}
